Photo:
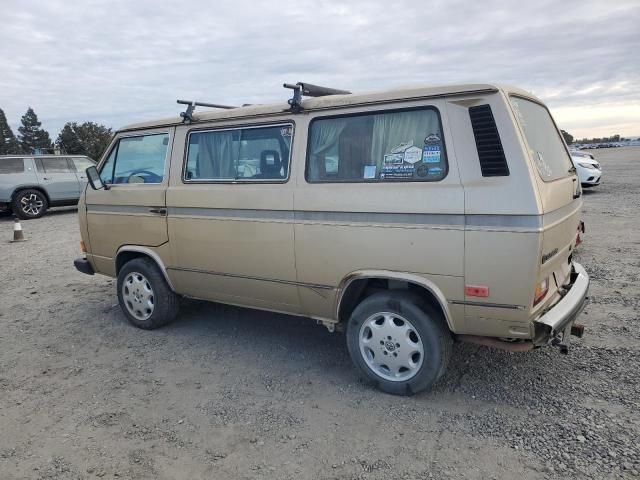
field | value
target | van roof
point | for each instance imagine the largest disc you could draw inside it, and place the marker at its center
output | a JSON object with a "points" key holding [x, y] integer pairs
{"points": [[333, 101]]}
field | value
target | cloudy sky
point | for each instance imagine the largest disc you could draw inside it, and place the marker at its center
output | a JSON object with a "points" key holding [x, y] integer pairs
{"points": [[117, 62]]}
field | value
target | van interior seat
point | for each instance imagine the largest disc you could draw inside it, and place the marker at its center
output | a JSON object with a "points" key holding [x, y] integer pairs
{"points": [[270, 164]]}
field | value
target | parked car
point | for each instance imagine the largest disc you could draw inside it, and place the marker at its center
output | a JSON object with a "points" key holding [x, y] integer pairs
{"points": [[588, 169], [29, 185], [578, 153], [410, 219]]}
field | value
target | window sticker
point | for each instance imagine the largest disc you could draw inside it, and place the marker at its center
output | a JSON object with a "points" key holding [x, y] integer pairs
{"points": [[435, 171], [396, 171], [412, 155], [402, 147], [422, 171], [369, 171], [432, 138], [394, 159], [286, 131], [431, 154], [543, 166]]}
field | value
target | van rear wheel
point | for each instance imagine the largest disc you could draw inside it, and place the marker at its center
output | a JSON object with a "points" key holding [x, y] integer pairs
{"points": [[144, 295], [399, 342]]}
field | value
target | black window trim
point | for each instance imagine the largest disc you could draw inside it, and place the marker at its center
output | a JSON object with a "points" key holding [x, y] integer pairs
{"points": [[116, 145], [376, 112], [524, 137], [243, 126]]}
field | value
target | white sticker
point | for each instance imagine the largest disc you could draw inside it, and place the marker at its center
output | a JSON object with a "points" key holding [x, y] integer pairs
{"points": [[369, 171], [412, 155], [394, 159], [402, 147]]}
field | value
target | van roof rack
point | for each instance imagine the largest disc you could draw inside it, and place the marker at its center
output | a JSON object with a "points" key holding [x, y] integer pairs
{"points": [[301, 89], [187, 115]]}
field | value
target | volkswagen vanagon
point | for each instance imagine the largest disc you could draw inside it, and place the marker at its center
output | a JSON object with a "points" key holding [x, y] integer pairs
{"points": [[408, 219]]}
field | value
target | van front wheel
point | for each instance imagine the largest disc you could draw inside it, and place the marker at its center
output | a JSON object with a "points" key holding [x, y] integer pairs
{"points": [[144, 295], [399, 342]]}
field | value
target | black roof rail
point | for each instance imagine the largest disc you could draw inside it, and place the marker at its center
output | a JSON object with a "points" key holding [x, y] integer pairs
{"points": [[187, 115], [301, 89]]}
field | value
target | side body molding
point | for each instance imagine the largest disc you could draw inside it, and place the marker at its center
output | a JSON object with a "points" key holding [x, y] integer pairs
{"points": [[391, 275]]}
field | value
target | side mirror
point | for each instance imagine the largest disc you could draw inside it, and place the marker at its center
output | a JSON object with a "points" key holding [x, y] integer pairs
{"points": [[94, 179]]}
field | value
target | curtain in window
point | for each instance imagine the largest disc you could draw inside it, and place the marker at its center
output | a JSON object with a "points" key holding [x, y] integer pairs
{"points": [[393, 129], [217, 155], [324, 136]]}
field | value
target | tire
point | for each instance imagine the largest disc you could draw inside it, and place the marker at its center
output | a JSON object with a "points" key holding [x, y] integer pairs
{"points": [[29, 203], [399, 323], [144, 295]]}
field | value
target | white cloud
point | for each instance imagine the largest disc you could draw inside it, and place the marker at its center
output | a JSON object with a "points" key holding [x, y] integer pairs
{"points": [[118, 62]]}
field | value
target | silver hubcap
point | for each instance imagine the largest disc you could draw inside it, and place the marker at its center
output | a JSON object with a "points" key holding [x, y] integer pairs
{"points": [[391, 346], [31, 204], [138, 296]]}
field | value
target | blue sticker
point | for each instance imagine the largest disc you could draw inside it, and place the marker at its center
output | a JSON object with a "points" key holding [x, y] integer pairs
{"points": [[431, 154], [435, 171]]}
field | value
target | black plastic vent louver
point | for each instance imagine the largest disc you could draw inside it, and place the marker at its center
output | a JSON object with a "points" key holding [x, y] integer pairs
{"points": [[492, 160]]}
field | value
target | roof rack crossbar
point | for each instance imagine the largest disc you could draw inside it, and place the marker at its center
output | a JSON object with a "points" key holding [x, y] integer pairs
{"points": [[187, 115], [301, 89]]}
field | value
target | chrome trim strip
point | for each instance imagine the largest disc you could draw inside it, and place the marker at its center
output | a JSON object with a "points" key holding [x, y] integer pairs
{"points": [[119, 209], [248, 277], [487, 304]]}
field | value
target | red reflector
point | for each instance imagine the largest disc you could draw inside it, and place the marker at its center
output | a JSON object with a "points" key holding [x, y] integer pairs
{"points": [[476, 291], [578, 240]]}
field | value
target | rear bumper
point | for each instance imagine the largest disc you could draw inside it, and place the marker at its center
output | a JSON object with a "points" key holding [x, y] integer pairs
{"points": [[83, 266], [559, 318]]}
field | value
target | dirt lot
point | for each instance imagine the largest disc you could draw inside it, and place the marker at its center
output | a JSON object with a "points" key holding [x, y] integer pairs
{"points": [[231, 393]]}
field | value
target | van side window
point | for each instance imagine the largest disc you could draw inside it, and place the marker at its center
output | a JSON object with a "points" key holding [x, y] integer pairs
{"points": [[378, 147], [139, 159], [242, 154]]}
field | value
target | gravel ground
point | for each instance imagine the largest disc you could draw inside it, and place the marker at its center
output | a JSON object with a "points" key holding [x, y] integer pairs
{"points": [[231, 393]]}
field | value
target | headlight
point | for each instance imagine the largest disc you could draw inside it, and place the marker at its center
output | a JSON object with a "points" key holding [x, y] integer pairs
{"points": [[586, 165]]}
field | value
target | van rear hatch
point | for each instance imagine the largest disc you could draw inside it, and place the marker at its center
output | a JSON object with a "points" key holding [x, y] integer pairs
{"points": [[560, 197]]}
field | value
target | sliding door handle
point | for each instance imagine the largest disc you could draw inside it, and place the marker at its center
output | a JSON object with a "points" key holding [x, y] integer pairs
{"points": [[159, 211]]}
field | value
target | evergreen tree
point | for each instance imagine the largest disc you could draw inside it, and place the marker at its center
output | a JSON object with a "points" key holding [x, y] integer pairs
{"points": [[31, 136], [86, 138], [9, 144]]}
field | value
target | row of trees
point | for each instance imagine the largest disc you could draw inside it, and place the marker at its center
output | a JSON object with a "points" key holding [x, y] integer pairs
{"points": [[86, 138]]}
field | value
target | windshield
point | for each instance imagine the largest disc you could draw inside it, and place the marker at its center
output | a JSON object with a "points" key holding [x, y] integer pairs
{"points": [[545, 144]]}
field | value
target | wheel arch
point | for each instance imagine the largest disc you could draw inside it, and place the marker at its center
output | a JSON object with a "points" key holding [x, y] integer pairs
{"points": [[40, 188], [353, 289], [127, 253]]}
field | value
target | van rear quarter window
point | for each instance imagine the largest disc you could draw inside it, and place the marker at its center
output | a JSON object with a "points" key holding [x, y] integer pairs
{"points": [[543, 138], [11, 165], [402, 145]]}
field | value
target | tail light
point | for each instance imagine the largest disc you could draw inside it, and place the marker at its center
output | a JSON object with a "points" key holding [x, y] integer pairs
{"points": [[541, 291]]}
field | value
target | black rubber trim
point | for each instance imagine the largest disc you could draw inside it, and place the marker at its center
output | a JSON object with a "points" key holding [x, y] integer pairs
{"points": [[83, 266]]}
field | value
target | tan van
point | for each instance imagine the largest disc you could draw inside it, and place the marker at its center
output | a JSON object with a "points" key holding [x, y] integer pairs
{"points": [[410, 219]]}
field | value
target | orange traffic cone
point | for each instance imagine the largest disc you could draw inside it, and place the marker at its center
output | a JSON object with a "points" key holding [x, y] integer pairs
{"points": [[18, 236]]}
